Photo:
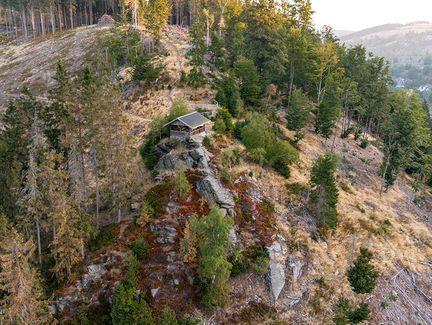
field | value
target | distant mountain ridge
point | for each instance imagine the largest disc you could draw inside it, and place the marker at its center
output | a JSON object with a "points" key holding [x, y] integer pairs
{"points": [[394, 41]]}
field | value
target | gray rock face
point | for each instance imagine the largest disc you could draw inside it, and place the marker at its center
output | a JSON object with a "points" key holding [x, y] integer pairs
{"points": [[168, 161], [165, 234], [276, 250], [213, 191], [93, 272], [202, 157], [296, 265], [276, 277]]}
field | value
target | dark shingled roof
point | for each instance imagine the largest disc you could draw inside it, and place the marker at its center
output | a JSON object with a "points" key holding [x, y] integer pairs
{"points": [[192, 120]]}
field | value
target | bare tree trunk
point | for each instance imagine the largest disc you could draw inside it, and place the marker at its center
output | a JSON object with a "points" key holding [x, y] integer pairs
{"points": [[15, 23], [42, 22], [39, 246], [91, 13], [33, 21], [291, 82], [52, 18], [7, 20], [71, 15], [24, 22], [60, 18], [319, 90]]}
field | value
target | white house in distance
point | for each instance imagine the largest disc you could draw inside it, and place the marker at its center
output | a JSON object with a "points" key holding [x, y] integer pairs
{"points": [[189, 125]]}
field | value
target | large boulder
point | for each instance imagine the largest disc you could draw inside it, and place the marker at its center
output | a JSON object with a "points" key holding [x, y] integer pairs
{"points": [[201, 157], [212, 190], [168, 161], [276, 278]]}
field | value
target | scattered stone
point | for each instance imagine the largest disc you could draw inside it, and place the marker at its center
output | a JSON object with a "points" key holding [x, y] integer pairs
{"points": [[93, 272], [135, 207], [154, 292], [292, 300]]}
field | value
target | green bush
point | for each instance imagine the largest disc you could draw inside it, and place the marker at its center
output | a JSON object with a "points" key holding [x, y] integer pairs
{"points": [[105, 237], [227, 177], [223, 122], [157, 199], [360, 314], [239, 262], [260, 261], [181, 184], [126, 310], [281, 155], [260, 139], [364, 143], [132, 266], [346, 314], [140, 248], [168, 317], [207, 142], [213, 234], [219, 126], [230, 157], [144, 70]]}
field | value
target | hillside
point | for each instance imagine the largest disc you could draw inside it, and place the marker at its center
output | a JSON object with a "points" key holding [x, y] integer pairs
{"points": [[259, 213], [409, 42]]}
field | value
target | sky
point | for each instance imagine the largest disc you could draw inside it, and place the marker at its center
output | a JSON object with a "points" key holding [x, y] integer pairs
{"points": [[356, 15]]}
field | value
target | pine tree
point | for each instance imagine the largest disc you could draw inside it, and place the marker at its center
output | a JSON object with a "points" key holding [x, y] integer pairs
{"points": [[324, 195], [330, 107], [228, 95], [196, 76], [21, 299], [298, 112], [362, 275], [246, 71], [126, 310], [15, 141], [63, 217], [213, 238], [156, 13]]}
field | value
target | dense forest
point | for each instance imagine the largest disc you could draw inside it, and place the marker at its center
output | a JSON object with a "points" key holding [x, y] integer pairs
{"points": [[34, 17], [67, 166]]}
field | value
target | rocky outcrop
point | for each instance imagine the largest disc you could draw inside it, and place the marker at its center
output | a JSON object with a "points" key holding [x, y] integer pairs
{"points": [[276, 278], [166, 234], [212, 190], [277, 252], [196, 158], [167, 161], [209, 186]]}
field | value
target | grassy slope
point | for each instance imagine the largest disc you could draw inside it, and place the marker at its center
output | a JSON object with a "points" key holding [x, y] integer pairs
{"points": [[405, 244]]}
